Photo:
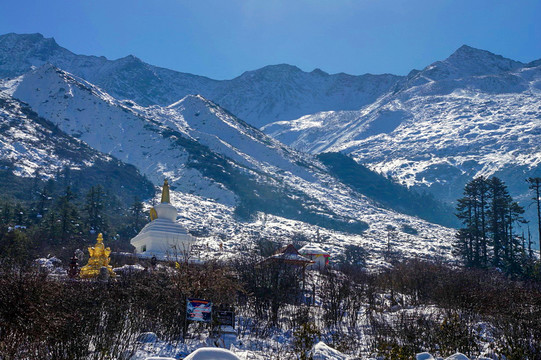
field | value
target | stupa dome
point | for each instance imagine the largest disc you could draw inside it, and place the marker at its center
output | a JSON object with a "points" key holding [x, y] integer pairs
{"points": [[163, 237]]}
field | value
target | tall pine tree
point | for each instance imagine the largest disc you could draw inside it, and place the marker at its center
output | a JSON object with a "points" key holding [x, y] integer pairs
{"points": [[472, 209], [535, 186], [69, 219], [94, 208], [489, 234]]}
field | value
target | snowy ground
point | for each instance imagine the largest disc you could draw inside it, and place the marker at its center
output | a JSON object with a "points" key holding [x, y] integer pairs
{"points": [[196, 214]]}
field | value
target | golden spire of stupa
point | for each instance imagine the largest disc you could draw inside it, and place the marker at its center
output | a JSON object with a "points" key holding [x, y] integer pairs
{"points": [[165, 192], [99, 257], [165, 200]]}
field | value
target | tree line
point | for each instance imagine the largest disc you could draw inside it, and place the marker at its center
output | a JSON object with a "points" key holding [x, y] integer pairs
{"points": [[492, 232], [58, 220]]}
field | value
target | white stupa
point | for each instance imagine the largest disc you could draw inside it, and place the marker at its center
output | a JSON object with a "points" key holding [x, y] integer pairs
{"points": [[163, 237]]}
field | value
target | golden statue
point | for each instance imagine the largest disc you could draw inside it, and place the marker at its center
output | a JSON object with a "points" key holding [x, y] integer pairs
{"points": [[153, 214], [99, 257]]}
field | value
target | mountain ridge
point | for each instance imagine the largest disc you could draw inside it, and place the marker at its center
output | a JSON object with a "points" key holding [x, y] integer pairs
{"points": [[33, 147], [273, 93], [440, 127], [215, 151], [252, 95]]}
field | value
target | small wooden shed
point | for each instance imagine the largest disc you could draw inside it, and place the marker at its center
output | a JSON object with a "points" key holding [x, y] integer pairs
{"points": [[319, 256]]}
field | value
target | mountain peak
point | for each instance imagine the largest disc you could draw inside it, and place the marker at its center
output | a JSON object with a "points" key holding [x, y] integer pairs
{"points": [[19, 52], [130, 59], [469, 58], [468, 61], [466, 49], [273, 71], [318, 71], [12, 40], [280, 68], [469, 52]]}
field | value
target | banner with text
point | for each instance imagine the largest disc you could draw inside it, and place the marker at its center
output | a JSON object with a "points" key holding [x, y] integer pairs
{"points": [[199, 310]]}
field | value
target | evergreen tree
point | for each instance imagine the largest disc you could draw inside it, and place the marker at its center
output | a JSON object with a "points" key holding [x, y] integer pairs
{"points": [[499, 202], [530, 250], [489, 217], [94, 208], [69, 217], [535, 186], [43, 202], [36, 184], [482, 191], [19, 215], [49, 227], [515, 255], [136, 211], [472, 242], [5, 214]]}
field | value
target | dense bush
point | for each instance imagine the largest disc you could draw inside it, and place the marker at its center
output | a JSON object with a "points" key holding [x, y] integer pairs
{"points": [[57, 319], [414, 306]]}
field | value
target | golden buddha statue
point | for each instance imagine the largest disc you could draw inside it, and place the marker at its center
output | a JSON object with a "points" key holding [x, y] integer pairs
{"points": [[99, 257]]}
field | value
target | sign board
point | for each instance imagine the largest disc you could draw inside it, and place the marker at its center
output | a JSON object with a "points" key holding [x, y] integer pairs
{"points": [[225, 318], [199, 310]]}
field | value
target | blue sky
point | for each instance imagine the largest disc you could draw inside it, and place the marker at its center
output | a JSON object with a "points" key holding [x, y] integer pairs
{"points": [[223, 38]]}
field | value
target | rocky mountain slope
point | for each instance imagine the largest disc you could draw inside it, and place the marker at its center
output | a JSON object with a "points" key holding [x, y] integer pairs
{"points": [[473, 114], [32, 147], [279, 92], [233, 183]]}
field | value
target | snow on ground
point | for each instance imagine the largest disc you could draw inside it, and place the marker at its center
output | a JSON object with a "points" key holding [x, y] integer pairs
{"points": [[458, 130], [30, 146], [322, 351], [216, 224], [277, 344], [212, 354], [476, 133]]}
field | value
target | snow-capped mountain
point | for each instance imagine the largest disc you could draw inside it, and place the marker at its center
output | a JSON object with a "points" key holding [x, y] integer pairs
{"points": [[223, 172], [284, 92], [473, 114], [31, 146], [26, 142], [125, 78], [278, 92]]}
